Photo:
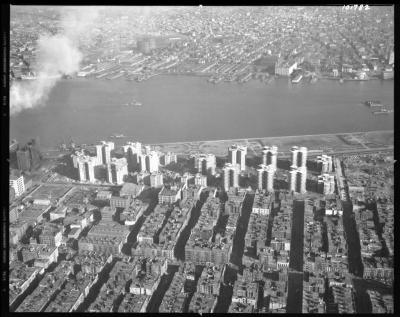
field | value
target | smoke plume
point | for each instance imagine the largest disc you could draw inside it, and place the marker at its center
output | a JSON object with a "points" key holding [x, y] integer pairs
{"points": [[57, 55]]}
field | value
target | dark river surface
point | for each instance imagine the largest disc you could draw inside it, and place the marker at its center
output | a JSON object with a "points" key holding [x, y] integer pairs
{"points": [[186, 108]]}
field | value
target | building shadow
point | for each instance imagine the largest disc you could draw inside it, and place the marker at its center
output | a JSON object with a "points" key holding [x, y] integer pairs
{"points": [[182, 165], [220, 161], [254, 161], [66, 168], [280, 184], [248, 180], [313, 166], [312, 185], [283, 164], [213, 181]]}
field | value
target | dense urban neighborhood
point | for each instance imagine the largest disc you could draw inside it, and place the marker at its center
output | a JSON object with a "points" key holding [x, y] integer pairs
{"points": [[136, 229]]}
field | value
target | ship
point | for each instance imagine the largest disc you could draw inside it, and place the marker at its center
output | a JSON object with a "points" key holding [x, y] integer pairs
{"points": [[383, 111], [118, 136], [373, 103], [297, 79], [133, 103]]}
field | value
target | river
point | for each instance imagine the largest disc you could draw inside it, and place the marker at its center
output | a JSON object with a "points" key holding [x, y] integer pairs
{"points": [[186, 108]]}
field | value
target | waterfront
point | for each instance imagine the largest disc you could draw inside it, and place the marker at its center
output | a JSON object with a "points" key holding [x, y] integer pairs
{"points": [[88, 110]]}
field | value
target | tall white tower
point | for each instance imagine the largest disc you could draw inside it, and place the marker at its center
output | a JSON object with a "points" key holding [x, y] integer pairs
{"points": [[294, 150], [231, 175], [302, 157], [270, 154], [204, 163], [117, 169], [106, 148], [237, 155], [292, 179], [149, 162], [266, 175]]}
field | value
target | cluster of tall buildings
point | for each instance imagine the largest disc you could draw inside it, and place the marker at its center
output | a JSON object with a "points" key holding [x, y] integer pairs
{"points": [[267, 170], [136, 158], [86, 164], [147, 162]]}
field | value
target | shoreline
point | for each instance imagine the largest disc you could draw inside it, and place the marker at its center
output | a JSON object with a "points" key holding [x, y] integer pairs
{"points": [[273, 137], [355, 142], [206, 74], [277, 138]]}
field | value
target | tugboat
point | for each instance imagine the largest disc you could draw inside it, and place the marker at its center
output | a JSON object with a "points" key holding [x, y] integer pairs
{"points": [[118, 136], [133, 103]]}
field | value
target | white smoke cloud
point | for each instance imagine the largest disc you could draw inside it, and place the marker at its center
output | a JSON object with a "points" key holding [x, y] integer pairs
{"points": [[57, 55]]}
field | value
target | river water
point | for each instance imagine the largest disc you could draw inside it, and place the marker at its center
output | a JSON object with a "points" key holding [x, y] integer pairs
{"points": [[185, 108]]}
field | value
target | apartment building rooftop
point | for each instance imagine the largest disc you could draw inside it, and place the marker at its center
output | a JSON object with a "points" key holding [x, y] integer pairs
{"points": [[20, 277], [48, 286], [174, 298], [202, 303], [153, 223], [132, 303], [262, 201], [67, 298], [118, 279], [174, 223]]}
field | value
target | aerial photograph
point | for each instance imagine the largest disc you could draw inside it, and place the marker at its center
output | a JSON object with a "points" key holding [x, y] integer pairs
{"points": [[201, 159]]}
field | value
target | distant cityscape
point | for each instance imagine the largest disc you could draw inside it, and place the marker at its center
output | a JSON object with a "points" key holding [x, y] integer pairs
{"points": [[221, 44], [281, 224]]}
